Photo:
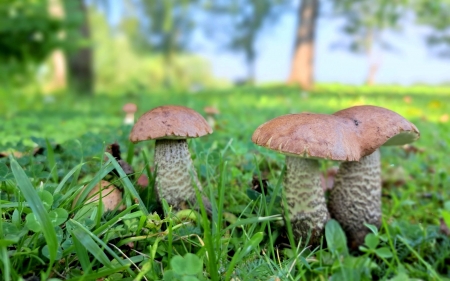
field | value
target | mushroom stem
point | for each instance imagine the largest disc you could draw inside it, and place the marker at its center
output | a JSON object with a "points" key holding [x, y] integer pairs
{"points": [[129, 118], [305, 198], [355, 198], [175, 173]]}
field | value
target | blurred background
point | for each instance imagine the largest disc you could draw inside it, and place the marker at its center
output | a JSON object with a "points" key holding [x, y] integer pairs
{"points": [[117, 47]]}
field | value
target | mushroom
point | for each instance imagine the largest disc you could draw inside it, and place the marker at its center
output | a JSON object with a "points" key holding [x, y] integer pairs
{"points": [[129, 109], [111, 196], [171, 126], [211, 111], [355, 198], [304, 138]]}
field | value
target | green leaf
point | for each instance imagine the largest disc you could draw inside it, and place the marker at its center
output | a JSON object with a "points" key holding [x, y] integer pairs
{"points": [[371, 241], [335, 236], [372, 228], [58, 216], [31, 196], [32, 223], [46, 198], [383, 252], [190, 264]]}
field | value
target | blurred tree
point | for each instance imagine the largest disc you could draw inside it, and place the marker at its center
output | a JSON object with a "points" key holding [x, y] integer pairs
{"points": [[436, 15], [302, 69], [161, 26], [80, 60], [28, 34], [365, 22], [238, 23], [57, 58]]}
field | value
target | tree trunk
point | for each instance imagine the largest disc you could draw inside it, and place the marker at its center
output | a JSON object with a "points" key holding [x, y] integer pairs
{"points": [[302, 70], [57, 59], [373, 58], [81, 62], [373, 69]]}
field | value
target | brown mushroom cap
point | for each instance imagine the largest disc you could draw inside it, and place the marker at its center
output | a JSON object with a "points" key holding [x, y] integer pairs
{"points": [[309, 135], [129, 108], [211, 110], [169, 122], [376, 126]]}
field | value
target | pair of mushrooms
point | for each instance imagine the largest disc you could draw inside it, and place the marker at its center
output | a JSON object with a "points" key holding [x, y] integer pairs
{"points": [[352, 136]]}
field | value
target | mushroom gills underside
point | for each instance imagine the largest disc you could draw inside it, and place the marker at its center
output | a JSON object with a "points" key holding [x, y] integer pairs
{"points": [[305, 198], [355, 198], [175, 173]]}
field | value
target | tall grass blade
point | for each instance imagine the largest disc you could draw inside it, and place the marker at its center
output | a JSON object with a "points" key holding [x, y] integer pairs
{"points": [[66, 178], [85, 240], [37, 207], [127, 183], [51, 161]]}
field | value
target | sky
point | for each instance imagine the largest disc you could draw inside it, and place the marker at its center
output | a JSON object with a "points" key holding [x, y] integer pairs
{"points": [[411, 62]]}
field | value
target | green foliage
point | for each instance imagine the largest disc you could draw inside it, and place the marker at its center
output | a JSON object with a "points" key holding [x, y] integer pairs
{"points": [[435, 14], [28, 34], [120, 67], [187, 268], [244, 238], [365, 21]]}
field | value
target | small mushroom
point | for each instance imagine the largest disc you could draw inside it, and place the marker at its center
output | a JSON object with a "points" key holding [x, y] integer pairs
{"points": [[211, 112], [171, 126], [129, 109], [355, 198], [304, 138], [111, 196]]}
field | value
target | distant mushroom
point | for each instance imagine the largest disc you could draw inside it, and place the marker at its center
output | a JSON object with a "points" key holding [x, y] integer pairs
{"points": [[129, 109], [355, 198], [171, 126], [211, 112], [304, 138], [111, 196]]}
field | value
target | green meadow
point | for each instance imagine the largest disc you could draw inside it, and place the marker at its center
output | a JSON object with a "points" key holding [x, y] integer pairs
{"points": [[53, 147]]}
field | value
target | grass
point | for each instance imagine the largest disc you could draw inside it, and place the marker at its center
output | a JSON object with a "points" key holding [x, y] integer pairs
{"points": [[42, 235]]}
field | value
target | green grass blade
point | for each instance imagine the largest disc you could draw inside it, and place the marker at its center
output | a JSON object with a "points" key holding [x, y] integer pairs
{"points": [[130, 153], [4, 258], [100, 274], [96, 240], [66, 178], [86, 241], [51, 161], [97, 178], [37, 207], [82, 254], [127, 183]]}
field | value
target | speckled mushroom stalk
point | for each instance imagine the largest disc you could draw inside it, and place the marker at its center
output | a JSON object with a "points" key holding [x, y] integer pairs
{"points": [[355, 198], [305, 198], [175, 174]]}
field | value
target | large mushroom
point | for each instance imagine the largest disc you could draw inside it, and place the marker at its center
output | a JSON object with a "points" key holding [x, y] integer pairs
{"points": [[304, 138], [171, 126], [355, 198]]}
